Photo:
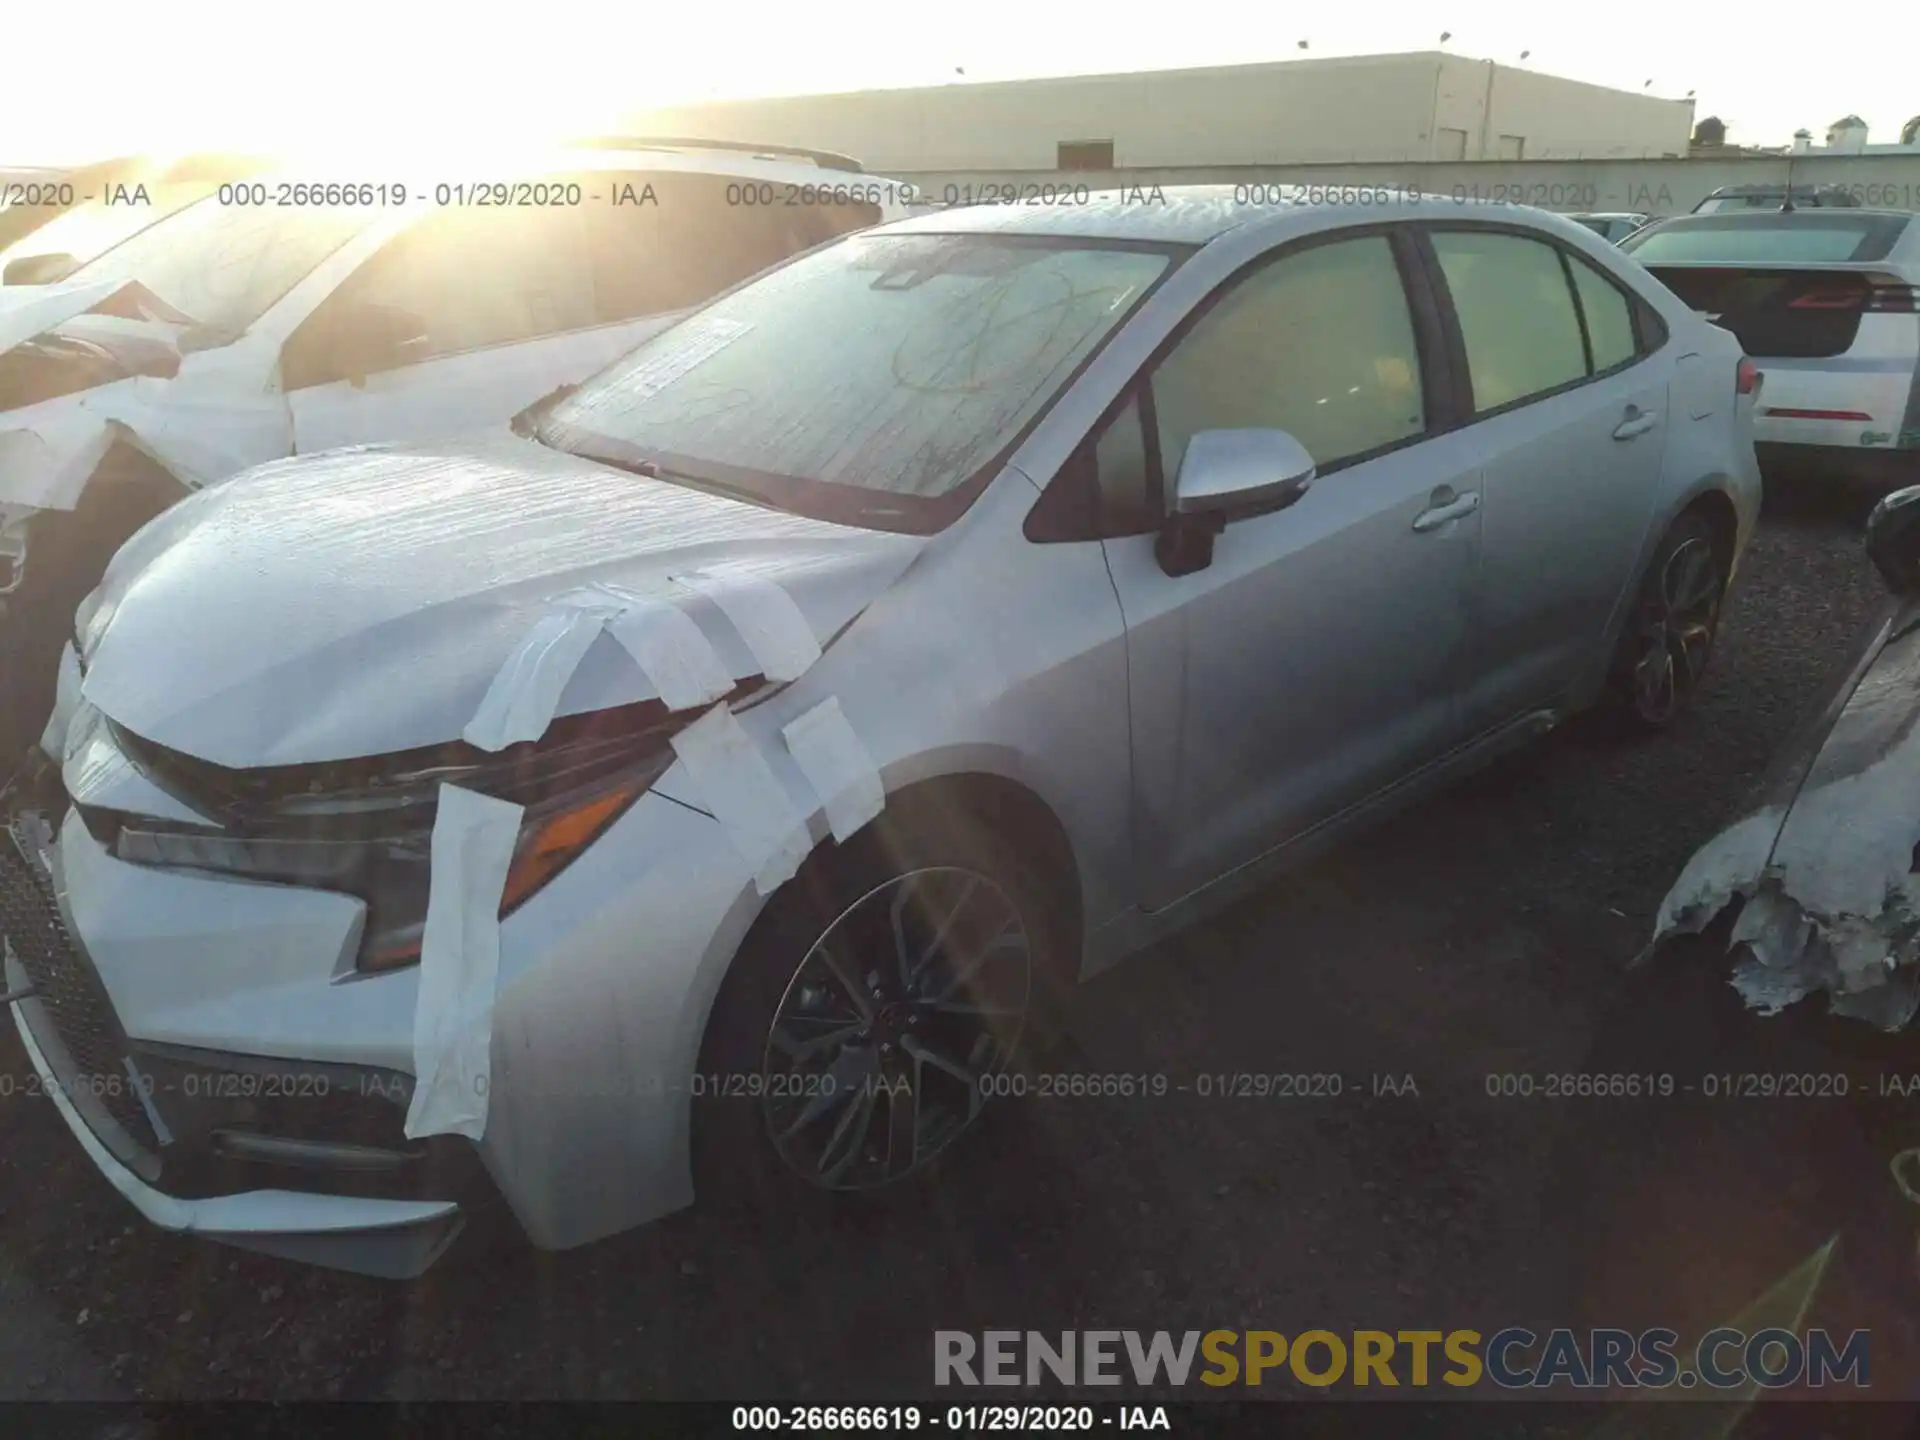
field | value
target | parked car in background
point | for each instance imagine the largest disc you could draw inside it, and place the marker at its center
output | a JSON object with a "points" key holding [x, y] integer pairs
{"points": [[52, 221], [1825, 303], [1613, 226], [706, 786], [1774, 197], [255, 324]]}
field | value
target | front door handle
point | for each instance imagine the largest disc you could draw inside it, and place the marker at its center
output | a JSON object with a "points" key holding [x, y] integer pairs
{"points": [[1638, 422], [1452, 509]]}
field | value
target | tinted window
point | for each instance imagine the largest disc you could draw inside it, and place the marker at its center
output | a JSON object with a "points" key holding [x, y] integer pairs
{"points": [[1120, 466], [1768, 238], [1609, 316], [481, 275], [1516, 315], [1319, 344], [662, 242]]}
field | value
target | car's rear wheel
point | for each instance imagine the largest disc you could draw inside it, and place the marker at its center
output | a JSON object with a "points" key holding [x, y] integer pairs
{"points": [[859, 1035], [1669, 634]]}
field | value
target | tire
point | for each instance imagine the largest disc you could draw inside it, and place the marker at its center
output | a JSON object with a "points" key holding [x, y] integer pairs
{"points": [[927, 854], [1669, 632], [67, 552]]}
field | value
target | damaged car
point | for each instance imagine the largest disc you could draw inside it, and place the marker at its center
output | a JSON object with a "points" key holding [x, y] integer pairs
{"points": [[278, 316], [1812, 894], [709, 784]]}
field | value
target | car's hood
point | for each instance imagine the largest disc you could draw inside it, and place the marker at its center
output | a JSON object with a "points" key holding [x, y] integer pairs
{"points": [[1823, 856], [361, 601]]}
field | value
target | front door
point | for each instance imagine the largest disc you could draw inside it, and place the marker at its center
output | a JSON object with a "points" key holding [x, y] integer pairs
{"points": [[1317, 659]]}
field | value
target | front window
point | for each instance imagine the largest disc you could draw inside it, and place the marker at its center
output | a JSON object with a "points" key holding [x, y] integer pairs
{"points": [[869, 382], [224, 266]]}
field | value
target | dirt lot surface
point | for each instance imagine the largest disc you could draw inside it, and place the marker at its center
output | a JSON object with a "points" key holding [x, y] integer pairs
{"points": [[1479, 935]]}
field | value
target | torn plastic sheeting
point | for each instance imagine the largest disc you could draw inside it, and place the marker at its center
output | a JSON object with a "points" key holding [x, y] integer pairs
{"points": [[743, 794], [765, 615], [472, 849], [66, 702], [1725, 868], [663, 640], [30, 310], [829, 753], [45, 466]]}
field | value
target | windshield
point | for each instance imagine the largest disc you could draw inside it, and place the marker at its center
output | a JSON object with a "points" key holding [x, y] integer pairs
{"points": [[1734, 239], [225, 265], [869, 380]]}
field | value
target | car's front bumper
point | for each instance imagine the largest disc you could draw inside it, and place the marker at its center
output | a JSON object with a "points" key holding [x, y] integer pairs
{"points": [[604, 985]]}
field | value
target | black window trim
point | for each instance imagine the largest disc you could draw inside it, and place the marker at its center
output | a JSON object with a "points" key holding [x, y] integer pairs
{"points": [[1647, 323], [1442, 378]]}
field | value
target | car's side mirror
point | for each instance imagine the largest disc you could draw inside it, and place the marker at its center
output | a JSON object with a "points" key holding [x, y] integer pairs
{"points": [[373, 338], [1228, 475], [1893, 540], [38, 269]]}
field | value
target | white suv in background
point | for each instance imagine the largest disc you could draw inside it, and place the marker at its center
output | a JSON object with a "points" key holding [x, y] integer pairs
{"points": [[257, 324], [1825, 301]]}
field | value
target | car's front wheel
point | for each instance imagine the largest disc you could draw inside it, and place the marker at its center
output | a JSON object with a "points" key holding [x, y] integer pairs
{"points": [[1669, 633], [874, 1010]]}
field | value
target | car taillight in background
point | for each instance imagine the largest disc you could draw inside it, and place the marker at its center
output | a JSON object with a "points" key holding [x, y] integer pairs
{"points": [[1877, 297], [1746, 377]]}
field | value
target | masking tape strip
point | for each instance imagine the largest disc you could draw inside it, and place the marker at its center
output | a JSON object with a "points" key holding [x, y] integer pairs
{"points": [[823, 744], [525, 692], [670, 649], [473, 841], [767, 618], [663, 640], [743, 794]]}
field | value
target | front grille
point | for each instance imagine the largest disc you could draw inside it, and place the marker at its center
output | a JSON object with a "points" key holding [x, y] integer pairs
{"points": [[69, 992]]}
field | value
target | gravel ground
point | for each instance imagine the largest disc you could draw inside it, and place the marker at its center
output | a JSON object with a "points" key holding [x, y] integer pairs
{"points": [[1480, 934]]}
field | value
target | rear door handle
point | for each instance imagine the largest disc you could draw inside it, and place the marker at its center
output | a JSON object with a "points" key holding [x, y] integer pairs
{"points": [[1452, 510], [1638, 422]]}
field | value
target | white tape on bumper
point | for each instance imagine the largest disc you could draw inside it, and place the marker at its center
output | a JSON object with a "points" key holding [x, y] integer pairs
{"points": [[767, 618], [823, 744], [473, 841], [744, 795]]}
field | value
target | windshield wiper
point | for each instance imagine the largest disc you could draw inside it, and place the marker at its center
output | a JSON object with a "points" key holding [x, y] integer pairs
{"points": [[526, 424], [651, 469]]}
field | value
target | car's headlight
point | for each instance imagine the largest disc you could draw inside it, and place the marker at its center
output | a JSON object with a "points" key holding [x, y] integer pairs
{"points": [[374, 840]]}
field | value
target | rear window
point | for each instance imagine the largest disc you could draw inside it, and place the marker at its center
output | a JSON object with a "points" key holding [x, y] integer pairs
{"points": [[1768, 239]]}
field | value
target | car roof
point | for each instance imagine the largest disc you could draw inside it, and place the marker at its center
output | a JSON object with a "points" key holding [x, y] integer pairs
{"points": [[1182, 214]]}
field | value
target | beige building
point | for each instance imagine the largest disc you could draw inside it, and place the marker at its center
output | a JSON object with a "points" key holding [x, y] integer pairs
{"points": [[1417, 107]]}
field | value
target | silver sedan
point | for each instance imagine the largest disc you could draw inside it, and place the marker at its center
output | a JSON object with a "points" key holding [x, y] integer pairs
{"points": [[707, 785]]}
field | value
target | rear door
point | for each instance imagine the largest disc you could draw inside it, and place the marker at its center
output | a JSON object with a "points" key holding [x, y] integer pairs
{"points": [[1571, 415]]}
